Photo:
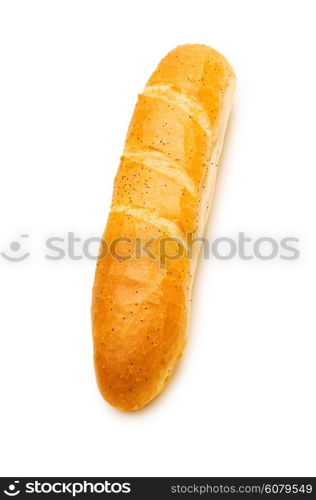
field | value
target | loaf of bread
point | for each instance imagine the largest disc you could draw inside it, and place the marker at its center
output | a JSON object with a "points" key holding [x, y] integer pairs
{"points": [[162, 197]]}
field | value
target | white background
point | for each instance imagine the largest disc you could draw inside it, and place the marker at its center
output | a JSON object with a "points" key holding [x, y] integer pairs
{"points": [[242, 401]]}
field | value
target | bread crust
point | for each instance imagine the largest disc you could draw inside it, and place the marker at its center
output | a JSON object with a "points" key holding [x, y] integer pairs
{"points": [[162, 192]]}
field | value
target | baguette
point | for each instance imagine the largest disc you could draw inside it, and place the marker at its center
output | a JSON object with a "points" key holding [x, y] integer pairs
{"points": [[162, 194]]}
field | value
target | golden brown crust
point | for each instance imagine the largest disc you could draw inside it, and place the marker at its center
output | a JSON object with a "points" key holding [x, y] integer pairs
{"points": [[140, 303], [198, 70]]}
